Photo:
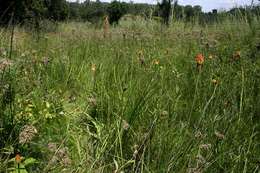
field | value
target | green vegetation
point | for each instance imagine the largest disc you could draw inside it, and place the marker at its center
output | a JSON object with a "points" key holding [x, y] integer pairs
{"points": [[76, 102], [115, 11], [146, 98]]}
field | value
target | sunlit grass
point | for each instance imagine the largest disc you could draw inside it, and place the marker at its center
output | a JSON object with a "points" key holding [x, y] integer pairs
{"points": [[135, 101]]}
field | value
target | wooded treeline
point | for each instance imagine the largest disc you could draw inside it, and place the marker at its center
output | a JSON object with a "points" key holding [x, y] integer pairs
{"points": [[32, 11]]}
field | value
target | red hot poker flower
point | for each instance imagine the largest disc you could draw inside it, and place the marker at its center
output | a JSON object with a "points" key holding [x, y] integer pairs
{"points": [[199, 59], [18, 158]]}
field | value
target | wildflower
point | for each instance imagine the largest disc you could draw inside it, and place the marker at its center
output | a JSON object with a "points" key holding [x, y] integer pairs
{"points": [[205, 146], [18, 158], [125, 125], [156, 62], [198, 134], [237, 55], [52, 146], [215, 81], [210, 56], [45, 60], [93, 67], [5, 63], [92, 101], [27, 134], [219, 135], [199, 59], [164, 113], [141, 57]]}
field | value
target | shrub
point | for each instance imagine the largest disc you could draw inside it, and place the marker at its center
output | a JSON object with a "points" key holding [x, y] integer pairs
{"points": [[115, 11]]}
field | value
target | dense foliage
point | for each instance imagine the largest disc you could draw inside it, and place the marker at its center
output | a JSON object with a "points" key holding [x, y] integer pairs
{"points": [[24, 10], [115, 11], [165, 11], [94, 12]]}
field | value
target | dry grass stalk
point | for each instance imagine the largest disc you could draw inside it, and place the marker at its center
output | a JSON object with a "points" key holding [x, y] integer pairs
{"points": [[106, 27]]}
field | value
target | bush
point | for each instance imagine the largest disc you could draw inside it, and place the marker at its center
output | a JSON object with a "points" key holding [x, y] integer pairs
{"points": [[115, 11]]}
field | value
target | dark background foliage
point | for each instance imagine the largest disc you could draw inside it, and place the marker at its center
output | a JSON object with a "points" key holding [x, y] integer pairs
{"points": [[60, 10]]}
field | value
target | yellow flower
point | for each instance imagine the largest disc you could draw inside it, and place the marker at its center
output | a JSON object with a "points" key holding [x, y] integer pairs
{"points": [[156, 62], [93, 67], [215, 81], [210, 56]]}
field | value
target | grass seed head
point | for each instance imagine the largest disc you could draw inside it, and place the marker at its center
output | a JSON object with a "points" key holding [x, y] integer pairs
{"points": [[205, 146], [219, 135], [5, 63], [125, 125], [92, 101], [27, 134], [198, 134], [237, 55]]}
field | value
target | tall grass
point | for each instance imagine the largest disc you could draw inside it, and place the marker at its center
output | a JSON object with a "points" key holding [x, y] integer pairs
{"points": [[97, 108]]}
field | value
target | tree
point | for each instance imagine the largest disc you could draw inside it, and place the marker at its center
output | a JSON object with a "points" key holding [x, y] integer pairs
{"points": [[197, 10], [74, 10], [177, 10], [21, 10], [93, 11], [115, 11], [58, 10], [165, 11], [189, 12]]}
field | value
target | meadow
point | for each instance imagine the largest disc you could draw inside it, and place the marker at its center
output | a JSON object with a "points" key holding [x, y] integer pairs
{"points": [[134, 102]]}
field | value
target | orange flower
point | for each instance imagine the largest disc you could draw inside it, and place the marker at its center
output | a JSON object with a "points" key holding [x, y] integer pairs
{"points": [[18, 158], [199, 59], [93, 67]]}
